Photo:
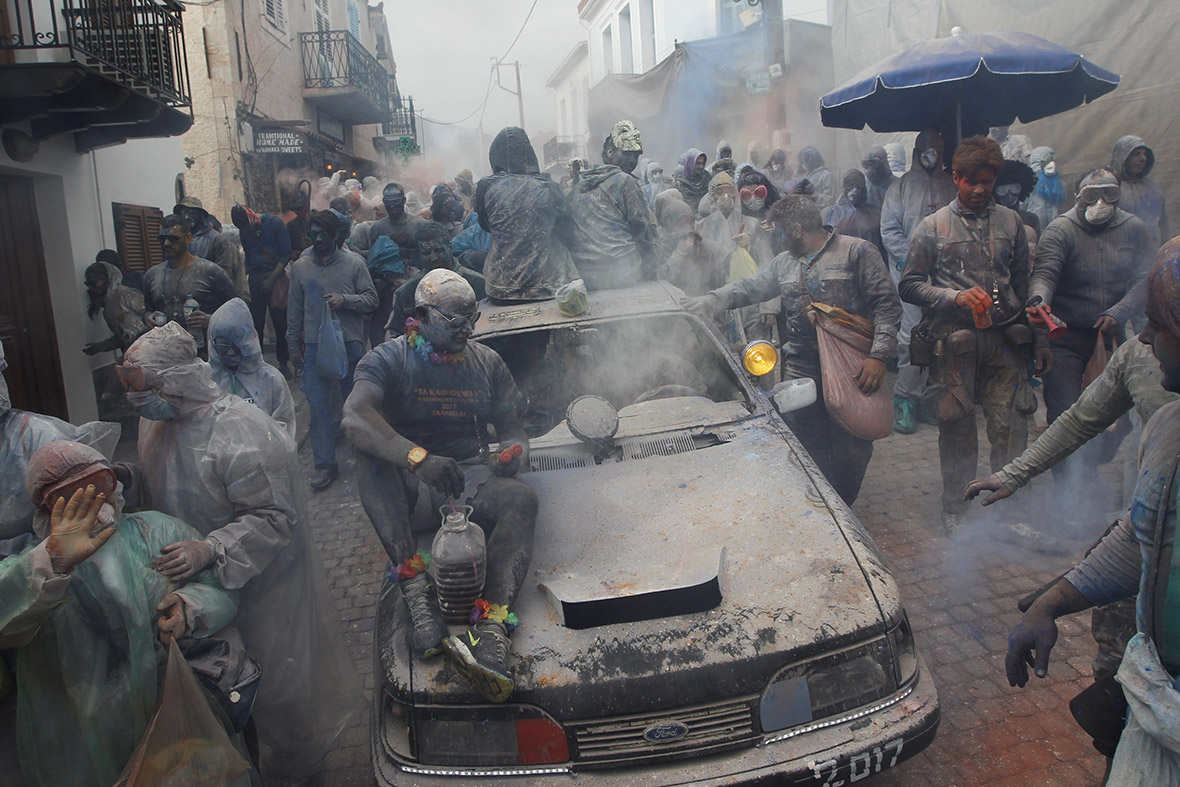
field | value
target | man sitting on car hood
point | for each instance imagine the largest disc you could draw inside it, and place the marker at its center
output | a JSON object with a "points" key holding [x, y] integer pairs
{"points": [[414, 415]]}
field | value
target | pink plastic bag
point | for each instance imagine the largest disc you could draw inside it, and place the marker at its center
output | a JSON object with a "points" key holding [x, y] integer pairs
{"points": [[185, 745], [842, 349]]}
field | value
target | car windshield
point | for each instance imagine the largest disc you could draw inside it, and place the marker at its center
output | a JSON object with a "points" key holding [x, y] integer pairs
{"points": [[625, 361]]}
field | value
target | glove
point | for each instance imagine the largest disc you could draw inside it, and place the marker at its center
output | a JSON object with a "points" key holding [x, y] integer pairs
{"points": [[442, 473], [70, 541], [1035, 631], [183, 559], [171, 623]]}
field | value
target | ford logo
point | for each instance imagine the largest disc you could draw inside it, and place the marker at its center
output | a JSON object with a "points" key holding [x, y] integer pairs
{"points": [[665, 732]]}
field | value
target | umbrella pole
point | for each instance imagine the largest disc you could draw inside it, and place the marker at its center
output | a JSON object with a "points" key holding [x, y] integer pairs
{"points": [[958, 123]]}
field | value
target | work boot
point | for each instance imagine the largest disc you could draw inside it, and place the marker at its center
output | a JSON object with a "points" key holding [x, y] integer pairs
{"points": [[428, 629], [323, 476], [481, 653], [904, 415]]}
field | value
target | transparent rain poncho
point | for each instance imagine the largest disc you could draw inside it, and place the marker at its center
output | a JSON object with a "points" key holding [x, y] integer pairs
{"points": [[254, 379], [86, 645], [228, 469], [21, 434]]}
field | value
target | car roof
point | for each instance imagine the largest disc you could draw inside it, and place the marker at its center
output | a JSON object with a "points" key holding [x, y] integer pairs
{"points": [[652, 297]]}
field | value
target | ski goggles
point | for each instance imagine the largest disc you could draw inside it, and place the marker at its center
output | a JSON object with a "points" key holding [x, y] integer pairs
{"points": [[1091, 194], [758, 192], [1007, 190]]}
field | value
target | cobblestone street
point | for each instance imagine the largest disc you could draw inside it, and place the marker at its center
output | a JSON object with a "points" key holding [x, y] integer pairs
{"points": [[960, 593]]}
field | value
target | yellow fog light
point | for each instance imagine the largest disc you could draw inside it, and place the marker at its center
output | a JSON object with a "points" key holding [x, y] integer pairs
{"points": [[760, 358]]}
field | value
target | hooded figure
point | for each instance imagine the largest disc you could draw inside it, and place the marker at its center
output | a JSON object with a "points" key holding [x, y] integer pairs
{"points": [[655, 182], [1132, 162], [528, 218], [614, 231], [675, 225], [878, 174], [21, 434], [812, 167], [238, 366], [122, 308], [776, 167], [724, 223], [83, 627], [1049, 195], [227, 469], [694, 183], [854, 215]]}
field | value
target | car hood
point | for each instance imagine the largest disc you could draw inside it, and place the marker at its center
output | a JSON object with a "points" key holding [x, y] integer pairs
{"points": [[749, 515]]}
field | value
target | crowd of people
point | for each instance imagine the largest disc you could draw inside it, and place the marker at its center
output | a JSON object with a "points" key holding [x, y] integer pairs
{"points": [[959, 276]]}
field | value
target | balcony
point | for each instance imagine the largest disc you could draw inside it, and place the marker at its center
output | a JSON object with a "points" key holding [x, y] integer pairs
{"points": [[560, 150], [399, 136], [343, 79], [104, 70]]}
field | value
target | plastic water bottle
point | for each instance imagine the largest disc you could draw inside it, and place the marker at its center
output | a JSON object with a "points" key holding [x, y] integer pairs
{"points": [[458, 563], [190, 306]]}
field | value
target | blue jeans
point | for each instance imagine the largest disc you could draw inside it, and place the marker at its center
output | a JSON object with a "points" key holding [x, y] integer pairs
{"points": [[318, 390]]}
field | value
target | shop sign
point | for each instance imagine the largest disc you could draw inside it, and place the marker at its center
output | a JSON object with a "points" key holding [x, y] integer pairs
{"points": [[278, 140]]}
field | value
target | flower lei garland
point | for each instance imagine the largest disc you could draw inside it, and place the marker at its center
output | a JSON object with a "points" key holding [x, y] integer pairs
{"points": [[410, 567], [485, 610], [415, 339]]}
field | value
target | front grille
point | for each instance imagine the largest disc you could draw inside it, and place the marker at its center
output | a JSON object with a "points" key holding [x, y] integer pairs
{"points": [[668, 445], [620, 741], [626, 451]]}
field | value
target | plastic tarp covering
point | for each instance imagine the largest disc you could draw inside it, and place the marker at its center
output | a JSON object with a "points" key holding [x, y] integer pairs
{"points": [[1134, 39], [697, 95]]}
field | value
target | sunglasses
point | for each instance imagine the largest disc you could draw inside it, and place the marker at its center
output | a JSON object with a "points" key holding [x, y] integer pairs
{"points": [[1091, 194], [137, 378], [459, 320], [758, 192], [167, 237], [314, 235]]}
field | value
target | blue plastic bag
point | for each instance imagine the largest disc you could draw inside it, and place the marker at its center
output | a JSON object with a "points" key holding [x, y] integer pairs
{"points": [[331, 358]]}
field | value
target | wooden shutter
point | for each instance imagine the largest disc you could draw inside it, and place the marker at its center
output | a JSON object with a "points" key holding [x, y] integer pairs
{"points": [[136, 228]]}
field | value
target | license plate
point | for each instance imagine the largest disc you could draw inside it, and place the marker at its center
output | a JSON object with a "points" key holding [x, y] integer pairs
{"points": [[848, 770]]}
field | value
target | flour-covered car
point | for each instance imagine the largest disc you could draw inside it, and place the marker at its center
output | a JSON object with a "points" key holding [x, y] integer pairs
{"points": [[701, 608]]}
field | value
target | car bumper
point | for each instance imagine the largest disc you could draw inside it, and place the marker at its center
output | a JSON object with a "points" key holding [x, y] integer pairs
{"points": [[846, 751]]}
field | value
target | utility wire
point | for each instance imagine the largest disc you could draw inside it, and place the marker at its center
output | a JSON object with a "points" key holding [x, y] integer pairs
{"points": [[483, 104]]}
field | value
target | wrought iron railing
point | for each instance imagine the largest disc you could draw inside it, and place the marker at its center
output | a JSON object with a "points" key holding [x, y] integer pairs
{"points": [[138, 42], [564, 148], [334, 58], [404, 122]]}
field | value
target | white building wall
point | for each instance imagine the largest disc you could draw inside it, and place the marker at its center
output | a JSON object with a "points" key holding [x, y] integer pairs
{"points": [[74, 195]]}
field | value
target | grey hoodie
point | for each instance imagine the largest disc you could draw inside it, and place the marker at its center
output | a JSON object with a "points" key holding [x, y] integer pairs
{"points": [[1084, 272], [1141, 195], [614, 232]]}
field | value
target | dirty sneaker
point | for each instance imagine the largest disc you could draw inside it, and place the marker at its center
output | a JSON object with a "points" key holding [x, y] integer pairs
{"points": [[481, 653], [952, 522], [428, 629]]}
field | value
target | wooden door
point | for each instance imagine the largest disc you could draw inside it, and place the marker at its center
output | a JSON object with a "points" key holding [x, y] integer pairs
{"points": [[26, 314]]}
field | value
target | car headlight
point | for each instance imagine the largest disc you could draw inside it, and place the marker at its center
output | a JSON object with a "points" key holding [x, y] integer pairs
{"points": [[905, 650], [759, 358], [829, 685], [487, 735]]}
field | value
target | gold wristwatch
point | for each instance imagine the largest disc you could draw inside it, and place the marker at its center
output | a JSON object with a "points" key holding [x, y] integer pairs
{"points": [[416, 456]]}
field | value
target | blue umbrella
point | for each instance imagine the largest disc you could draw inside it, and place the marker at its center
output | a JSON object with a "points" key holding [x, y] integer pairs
{"points": [[973, 80]]}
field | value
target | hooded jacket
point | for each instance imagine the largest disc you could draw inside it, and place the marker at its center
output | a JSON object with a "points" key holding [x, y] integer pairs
{"points": [[343, 273], [1049, 194], [716, 227], [1141, 195], [225, 468], [652, 190], [1084, 272], [614, 232], [694, 183], [254, 379], [913, 197], [528, 218], [822, 179]]}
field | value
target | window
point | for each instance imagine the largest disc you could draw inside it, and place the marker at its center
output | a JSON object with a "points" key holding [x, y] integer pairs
{"points": [[608, 51], [273, 12], [626, 44], [647, 34], [323, 16], [136, 228], [354, 20]]}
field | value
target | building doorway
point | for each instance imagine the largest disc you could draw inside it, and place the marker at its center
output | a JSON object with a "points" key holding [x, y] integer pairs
{"points": [[26, 313]]}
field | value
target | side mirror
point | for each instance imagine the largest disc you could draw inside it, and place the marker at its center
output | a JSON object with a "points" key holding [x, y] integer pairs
{"points": [[793, 395]]}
